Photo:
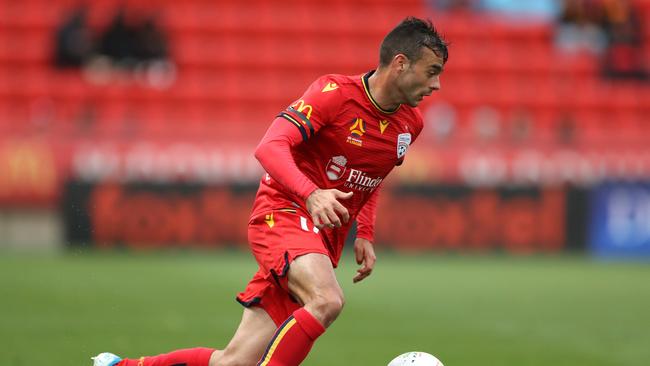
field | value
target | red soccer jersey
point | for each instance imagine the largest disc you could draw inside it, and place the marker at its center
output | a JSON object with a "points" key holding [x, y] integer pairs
{"points": [[340, 138]]}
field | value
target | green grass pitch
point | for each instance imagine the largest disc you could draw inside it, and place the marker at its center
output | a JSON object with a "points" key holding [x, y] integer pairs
{"points": [[494, 310]]}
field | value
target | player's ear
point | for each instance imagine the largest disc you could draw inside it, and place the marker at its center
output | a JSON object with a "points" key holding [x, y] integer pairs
{"points": [[401, 62]]}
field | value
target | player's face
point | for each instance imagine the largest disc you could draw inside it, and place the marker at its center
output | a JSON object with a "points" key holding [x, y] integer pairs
{"points": [[421, 78]]}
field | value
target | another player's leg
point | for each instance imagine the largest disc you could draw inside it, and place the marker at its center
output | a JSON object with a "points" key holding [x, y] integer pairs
{"points": [[245, 348], [312, 281]]}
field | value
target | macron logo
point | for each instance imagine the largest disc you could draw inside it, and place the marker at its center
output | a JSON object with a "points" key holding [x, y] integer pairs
{"points": [[329, 87]]}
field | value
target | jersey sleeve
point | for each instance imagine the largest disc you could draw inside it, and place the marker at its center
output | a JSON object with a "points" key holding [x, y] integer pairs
{"points": [[366, 218], [295, 125], [315, 108], [274, 154]]}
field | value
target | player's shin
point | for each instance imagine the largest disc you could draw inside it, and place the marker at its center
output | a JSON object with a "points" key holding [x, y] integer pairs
{"points": [[293, 340], [186, 357]]}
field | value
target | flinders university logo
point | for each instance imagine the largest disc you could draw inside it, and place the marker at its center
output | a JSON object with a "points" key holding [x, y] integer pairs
{"points": [[336, 167], [354, 178], [360, 181], [356, 132]]}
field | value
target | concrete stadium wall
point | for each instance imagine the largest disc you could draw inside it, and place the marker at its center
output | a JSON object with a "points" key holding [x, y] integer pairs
{"points": [[30, 230]]}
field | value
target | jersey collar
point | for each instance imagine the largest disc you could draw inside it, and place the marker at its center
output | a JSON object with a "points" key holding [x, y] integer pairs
{"points": [[366, 88]]}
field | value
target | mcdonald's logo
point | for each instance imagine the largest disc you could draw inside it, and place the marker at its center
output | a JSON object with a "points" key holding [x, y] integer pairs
{"points": [[301, 107], [27, 168]]}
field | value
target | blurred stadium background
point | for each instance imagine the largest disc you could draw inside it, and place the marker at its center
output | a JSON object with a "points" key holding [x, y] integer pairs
{"points": [[126, 138]]}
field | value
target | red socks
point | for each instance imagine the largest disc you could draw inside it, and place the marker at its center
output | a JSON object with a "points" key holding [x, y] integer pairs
{"points": [[183, 357], [293, 340], [289, 347]]}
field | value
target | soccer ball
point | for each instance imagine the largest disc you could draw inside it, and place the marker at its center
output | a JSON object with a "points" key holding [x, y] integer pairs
{"points": [[415, 359]]}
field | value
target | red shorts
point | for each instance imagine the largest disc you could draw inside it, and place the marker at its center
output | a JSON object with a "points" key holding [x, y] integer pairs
{"points": [[276, 239]]}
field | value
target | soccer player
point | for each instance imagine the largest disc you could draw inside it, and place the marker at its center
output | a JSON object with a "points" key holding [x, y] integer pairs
{"points": [[325, 158]]}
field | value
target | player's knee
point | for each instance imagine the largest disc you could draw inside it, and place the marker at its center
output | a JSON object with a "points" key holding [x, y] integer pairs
{"points": [[328, 306]]}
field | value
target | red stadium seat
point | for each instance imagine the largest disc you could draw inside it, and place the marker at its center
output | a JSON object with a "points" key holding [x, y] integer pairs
{"points": [[234, 75]]}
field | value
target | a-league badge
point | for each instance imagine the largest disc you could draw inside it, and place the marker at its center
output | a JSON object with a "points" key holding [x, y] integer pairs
{"points": [[403, 142], [336, 167]]}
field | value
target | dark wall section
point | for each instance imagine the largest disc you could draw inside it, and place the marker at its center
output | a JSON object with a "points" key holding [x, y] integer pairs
{"points": [[517, 220], [443, 218]]}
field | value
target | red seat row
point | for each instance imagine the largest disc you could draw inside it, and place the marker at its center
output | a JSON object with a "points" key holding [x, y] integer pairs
{"points": [[239, 63]]}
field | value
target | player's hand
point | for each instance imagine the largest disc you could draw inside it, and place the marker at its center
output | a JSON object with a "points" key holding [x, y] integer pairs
{"points": [[325, 209], [365, 255]]}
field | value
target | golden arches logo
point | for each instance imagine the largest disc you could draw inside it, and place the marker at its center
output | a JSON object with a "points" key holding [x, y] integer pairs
{"points": [[301, 107], [358, 127], [27, 167]]}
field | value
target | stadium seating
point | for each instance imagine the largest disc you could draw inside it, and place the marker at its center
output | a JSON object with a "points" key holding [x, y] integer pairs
{"points": [[239, 63]]}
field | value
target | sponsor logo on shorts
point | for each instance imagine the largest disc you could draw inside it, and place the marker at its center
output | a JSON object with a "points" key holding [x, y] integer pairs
{"points": [[269, 220]]}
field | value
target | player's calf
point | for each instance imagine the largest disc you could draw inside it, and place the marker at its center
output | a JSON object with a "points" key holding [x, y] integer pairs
{"points": [[234, 356], [292, 340], [232, 360]]}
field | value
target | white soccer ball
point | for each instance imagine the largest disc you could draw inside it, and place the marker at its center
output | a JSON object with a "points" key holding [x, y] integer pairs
{"points": [[415, 359]]}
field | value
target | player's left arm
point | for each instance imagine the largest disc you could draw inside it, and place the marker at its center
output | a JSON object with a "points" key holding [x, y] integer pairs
{"points": [[364, 250]]}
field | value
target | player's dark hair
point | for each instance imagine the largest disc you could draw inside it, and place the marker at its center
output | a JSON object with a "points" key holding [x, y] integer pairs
{"points": [[408, 38]]}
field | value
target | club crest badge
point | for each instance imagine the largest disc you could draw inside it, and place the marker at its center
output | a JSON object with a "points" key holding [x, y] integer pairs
{"points": [[403, 143], [336, 167]]}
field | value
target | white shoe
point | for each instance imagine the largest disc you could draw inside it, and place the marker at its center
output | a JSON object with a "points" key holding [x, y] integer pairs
{"points": [[105, 359]]}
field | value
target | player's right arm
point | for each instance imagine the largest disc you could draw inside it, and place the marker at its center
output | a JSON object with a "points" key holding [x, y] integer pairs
{"points": [[325, 209], [274, 153], [296, 125]]}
